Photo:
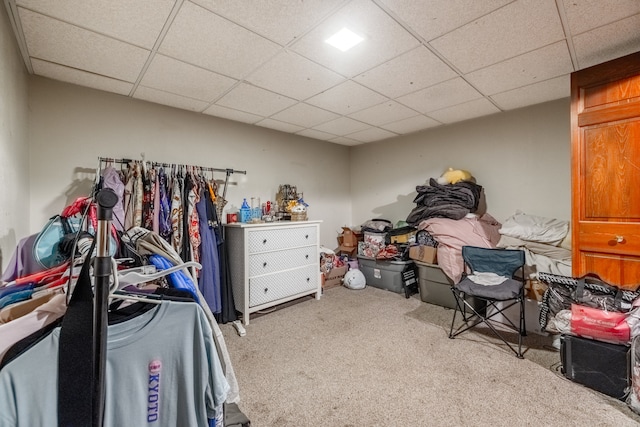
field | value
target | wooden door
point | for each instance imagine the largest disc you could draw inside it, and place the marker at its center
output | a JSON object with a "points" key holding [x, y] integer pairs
{"points": [[605, 139]]}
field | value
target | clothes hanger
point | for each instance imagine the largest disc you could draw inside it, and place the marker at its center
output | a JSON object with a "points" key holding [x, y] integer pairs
{"points": [[135, 277], [128, 296]]}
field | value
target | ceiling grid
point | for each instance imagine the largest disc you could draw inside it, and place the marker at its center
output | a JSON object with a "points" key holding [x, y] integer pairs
{"points": [[422, 63]]}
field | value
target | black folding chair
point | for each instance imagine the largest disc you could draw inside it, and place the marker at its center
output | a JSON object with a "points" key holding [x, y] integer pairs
{"points": [[477, 284]]}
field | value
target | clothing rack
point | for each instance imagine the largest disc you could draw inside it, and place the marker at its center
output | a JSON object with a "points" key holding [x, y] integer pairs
{"points": [[228, 171]]}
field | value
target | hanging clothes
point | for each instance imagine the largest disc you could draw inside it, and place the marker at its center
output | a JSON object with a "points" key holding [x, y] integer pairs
{"points": [[165, 206], [209, 278], [156, 202], [111, 179], [14, 331], [185, 252], [147, 201], [193, 228], [176, 213], [138, 193], [228, 308], [128, 198], [146, 354]]}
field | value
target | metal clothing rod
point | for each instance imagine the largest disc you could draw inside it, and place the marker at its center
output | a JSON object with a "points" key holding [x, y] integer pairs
{"points": [[228, 171]]}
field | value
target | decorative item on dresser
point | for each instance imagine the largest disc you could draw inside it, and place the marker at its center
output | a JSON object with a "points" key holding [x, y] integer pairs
{"points": [[272, 263]]}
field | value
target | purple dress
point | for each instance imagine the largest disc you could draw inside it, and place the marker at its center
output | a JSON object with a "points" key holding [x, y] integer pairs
{"points": [[209, 279]]}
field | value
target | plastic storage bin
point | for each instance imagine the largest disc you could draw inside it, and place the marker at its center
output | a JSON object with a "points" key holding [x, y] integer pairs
{"points": [[435, 287], [395, 276]]}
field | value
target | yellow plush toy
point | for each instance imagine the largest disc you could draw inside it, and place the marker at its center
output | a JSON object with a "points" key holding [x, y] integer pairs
{"points": [[453, 176]]}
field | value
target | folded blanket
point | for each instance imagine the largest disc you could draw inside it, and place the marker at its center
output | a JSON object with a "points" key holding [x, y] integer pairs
{"points": [[452, 201]]}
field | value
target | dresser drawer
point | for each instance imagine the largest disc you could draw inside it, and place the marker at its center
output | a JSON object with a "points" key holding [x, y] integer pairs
{"points": [[264, 289], [270, 262], [276, 239]]}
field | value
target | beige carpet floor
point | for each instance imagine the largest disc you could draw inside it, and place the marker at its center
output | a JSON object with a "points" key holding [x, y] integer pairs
{"points": [[375, 358]]}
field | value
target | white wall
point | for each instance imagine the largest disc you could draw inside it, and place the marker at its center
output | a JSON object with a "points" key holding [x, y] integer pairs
{"points": [[520, 157], [72, 126], [14, 147]]}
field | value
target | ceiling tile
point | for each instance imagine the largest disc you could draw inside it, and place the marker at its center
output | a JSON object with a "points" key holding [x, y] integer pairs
{"points": [[609, 42], [202, 38], [383, 37], [468, 110], [386, 112], [440, 96], [292, 75], [316, 134], [305, 115], [433, 18], [538, 65], [65, 44], [559, 87], [371, 134], [347, 98], [136, 22], [170, 99], [510, 31], [278, 20], [255, 100], [345, 141], [407, 73], [585, 15], [412, 124], [231, 114], [342, 126], [171, 75], [278, 125], [79, 77]]}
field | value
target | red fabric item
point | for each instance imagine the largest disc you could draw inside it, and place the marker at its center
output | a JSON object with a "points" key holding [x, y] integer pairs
{"points": [[597, 324]]}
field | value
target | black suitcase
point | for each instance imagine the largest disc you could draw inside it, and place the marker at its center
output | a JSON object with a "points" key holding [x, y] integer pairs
{"points": [[601, 366]]}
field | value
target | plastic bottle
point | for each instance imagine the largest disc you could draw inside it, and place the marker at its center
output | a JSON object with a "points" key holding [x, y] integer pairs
{"points": [[245, 211]]}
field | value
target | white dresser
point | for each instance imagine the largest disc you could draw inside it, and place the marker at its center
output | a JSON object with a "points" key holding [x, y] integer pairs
{"points": [[272, 263]]}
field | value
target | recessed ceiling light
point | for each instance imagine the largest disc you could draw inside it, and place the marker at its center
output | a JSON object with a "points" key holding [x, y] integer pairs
{"points": [[344, 39]]}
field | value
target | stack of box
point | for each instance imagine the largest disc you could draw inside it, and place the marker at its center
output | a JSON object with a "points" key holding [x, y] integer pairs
{"points": [[348, 242]]}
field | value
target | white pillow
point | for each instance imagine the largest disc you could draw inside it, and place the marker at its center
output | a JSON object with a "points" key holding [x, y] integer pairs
{"points": [[535, 228]]}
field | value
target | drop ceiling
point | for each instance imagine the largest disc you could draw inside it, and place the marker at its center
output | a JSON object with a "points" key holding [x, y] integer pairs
{"points": [[422, 64]]}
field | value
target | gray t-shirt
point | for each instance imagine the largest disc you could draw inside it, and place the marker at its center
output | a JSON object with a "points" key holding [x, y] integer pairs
{"points": [[162, 370]]}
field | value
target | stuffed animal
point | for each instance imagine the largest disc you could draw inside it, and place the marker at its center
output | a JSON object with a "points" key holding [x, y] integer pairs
{"points": [[453, 176]]}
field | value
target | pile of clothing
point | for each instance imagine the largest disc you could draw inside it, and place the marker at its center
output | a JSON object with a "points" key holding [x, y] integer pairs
{"points": [[452, 201]]}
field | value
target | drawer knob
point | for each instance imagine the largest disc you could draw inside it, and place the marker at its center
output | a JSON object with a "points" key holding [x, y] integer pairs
{"points": [[264, 242], [306, 256], [308, 279], [306, 236], [264, 264], [619, 239], [266, 290]]}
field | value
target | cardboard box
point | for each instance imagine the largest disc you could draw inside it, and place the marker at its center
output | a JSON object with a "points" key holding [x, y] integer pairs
{"points": [[347, 242], [423, 253], [334, 277]]}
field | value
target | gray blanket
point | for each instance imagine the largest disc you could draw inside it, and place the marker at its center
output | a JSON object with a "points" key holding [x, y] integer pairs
{"points": [[444, 201]]}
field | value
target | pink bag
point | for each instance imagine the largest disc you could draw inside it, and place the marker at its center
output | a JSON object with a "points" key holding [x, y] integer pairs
{"points": [[597, 324]]}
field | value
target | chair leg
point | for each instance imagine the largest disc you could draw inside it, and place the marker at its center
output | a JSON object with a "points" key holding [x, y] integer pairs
{"points": [[455, 311], [462, 304]]}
